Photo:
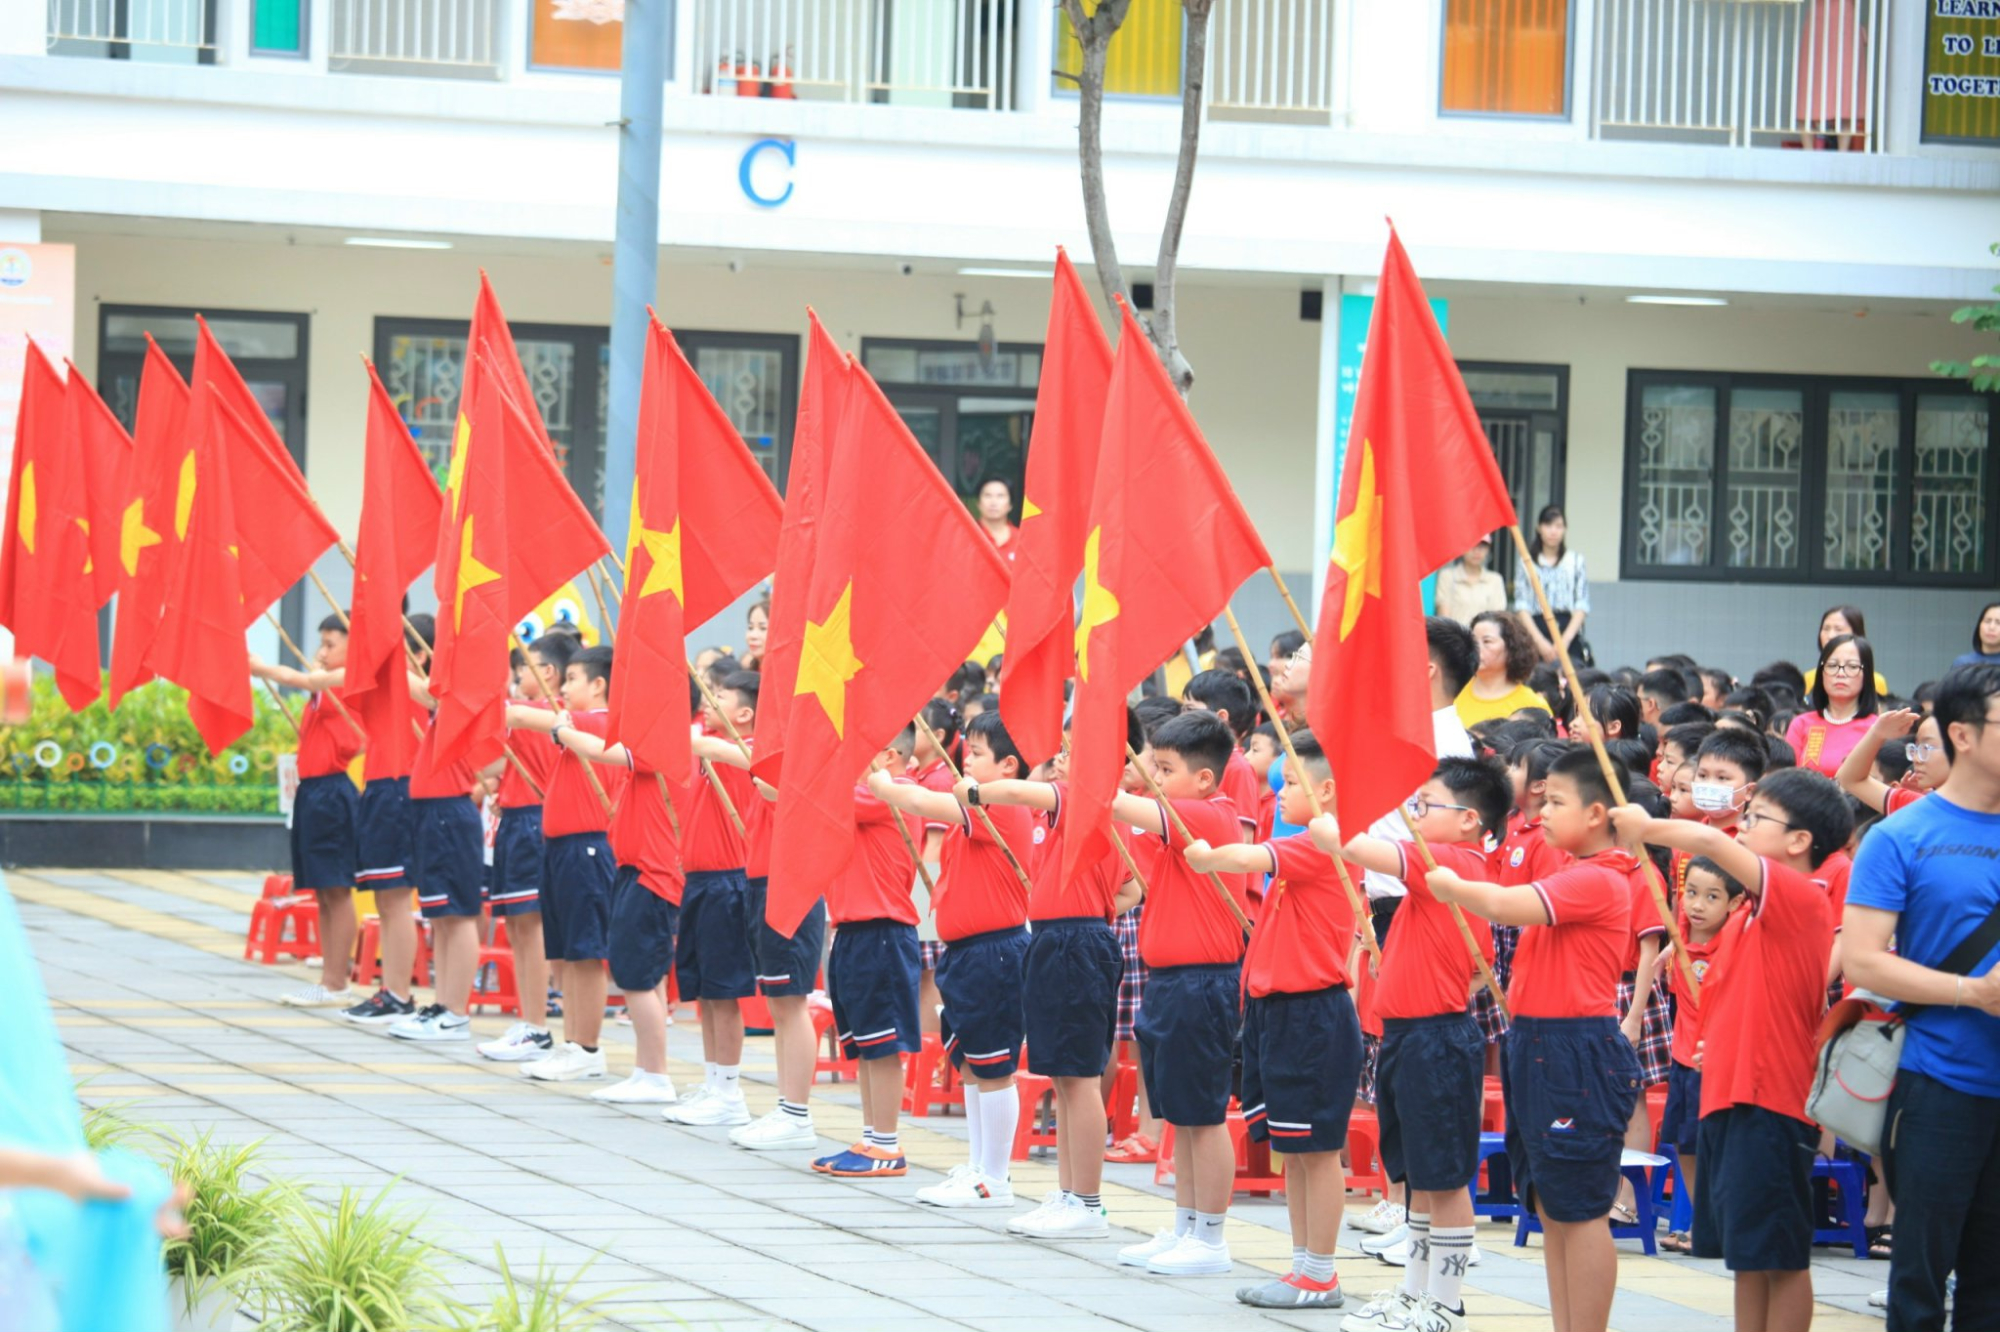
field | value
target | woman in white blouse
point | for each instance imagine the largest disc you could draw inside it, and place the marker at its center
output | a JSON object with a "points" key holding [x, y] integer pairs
{"points": [[1565, 581]]}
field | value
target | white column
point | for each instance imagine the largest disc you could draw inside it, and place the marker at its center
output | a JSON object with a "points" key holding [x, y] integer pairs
{"points": [[510, 44], [1326, 482], [22, 226], [1035, 46], [1582, 68], [682, 75]]}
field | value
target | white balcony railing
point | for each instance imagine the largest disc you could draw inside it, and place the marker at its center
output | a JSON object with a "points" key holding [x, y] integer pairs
{"points": [[415, 36], [82, 26], [1765, 73], [1271, 59], [944, 53]]}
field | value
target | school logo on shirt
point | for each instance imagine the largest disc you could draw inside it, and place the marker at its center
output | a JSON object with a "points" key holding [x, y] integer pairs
{"points": [[1520, 854], [1700, 970], [1040, 835], [1562, 1126]]}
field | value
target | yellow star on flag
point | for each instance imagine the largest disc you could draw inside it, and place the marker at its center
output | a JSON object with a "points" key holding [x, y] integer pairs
{"points": [[1357, 544], [1099, 605], [184, 497], [26, 521], [89, 564], [455, 475], [1029, 509], [134, 536], [664, 547], [471, 574], [827, 661]]}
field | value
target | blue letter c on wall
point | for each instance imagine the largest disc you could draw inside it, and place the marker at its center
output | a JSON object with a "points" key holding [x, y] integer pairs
{"points": [[785, 147]]}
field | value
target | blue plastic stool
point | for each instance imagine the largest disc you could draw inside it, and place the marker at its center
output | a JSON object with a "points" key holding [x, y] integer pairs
{"points": [[1499, 1199], [1851, 1179], [1681, 1217], [1635, 1166]]}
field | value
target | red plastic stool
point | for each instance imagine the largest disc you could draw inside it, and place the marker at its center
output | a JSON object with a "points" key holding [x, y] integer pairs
{"points": [[1364, 1172], [756, 1015], [826, 1044], [1254, 1172], [1123, 1107], [282, 925], [1493, 1110], [1028, 1135], [503, 995], [368, 954], [929, 1080], [277, 885]]}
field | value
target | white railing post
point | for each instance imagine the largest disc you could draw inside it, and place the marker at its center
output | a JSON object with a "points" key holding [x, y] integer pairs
{"points": [[681, 71], [1035, 39], [509, 39]]}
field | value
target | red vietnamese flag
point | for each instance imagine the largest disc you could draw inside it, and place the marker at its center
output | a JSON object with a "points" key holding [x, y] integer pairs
{"points": [[1167, 544], [881, 629], [512, 533], [200, 645], [104, 451], [400, 506], [279, 529], [704, 530], [1419, 486], [489, 329], [45, 593], [829, 379], [154, 518], [1055, 502]]}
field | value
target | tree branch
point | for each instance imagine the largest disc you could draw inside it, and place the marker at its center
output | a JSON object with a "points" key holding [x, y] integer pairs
{"points": [[1093, 35], [1166, 338]]}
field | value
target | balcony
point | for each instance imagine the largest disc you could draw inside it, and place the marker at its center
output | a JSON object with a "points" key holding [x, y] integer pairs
{"points": [[938, 53], [163, 31], [441, 38]]}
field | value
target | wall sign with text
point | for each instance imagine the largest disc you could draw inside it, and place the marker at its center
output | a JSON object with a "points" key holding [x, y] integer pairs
{"points": [[1962, 72]]}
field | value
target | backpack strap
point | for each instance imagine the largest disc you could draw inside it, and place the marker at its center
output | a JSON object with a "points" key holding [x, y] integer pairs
{"points": [[1961, 960]]}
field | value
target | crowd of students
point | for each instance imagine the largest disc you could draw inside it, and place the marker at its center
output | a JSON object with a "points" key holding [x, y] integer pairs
{"points": [[1743, 803]]}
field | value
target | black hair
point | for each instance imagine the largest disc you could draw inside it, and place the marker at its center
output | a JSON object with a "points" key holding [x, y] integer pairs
{"points": [[1311, 753], [967, 681], [1268, 730], [1579, 764], [1782, 673], [1780, 723], [1742, 721], [1714, 677], [905, 740], [1869, 703], [1629, 753], [1923, 694], [1285, 644], [1549, 513], [1548, 680], [1989, 606], [424, 625], [1485, 735], [557, 651], [1610, 703], [1753, 699], [1589, 677], [1688, 737], [992, 479], [1812, 803], [1231, 660], [1539, 756], [1513, 730], [1894, 761], [1667, 685], [1626, 677], [988, 702], [1673, 661], [1649, 736], [1640, 791], [987, 726], [1781, 753], [1156, 711], [1680, 714], [994, 663], [594, 662], [1482, 784], [1729, 885], [333, 624], [1857, 622], [744, 684], [1744, 749], [1961, 697], [1534, 722], [695, 700], [1223, 691], [1451, 648], [1200, 738]]}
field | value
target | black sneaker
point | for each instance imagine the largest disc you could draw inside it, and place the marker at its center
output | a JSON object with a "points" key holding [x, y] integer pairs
{"points": [[380, 1008]]}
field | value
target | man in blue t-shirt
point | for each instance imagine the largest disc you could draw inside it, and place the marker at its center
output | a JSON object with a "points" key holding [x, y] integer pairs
{"points": [[1925, 880]]}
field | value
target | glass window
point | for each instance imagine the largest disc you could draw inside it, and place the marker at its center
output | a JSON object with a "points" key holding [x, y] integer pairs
{"points": [[1144, 59], [277, 27], [1863, 433], [275, 339], [1506, 57], [749, 383], [1949, 519], [425, 372], [1526, 390], [1676, 473], [1762, 501], [581, 34]]}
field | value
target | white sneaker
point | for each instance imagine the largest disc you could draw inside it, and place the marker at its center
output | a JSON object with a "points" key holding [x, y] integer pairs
{"points": [[569, 1064], [716, 1108], [1054, 1202], [1434, 1317], [318, 996], [952, 1176], [1138, 1255], [1071, 1220], [641, 1088], [522, 1044], [433, 1022], [1389, 1311], [1384, 1217], [702, 1092], [1191, 1257], [1398, 1255], [1373, 1247], [777, 1131], [1879, 1300], [972, 1189]]}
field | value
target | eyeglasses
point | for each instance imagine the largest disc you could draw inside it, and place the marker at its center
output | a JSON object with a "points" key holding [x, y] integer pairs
{"points": [[1751, 819], [1918, 753], [1843, 668], [1421, 805]]}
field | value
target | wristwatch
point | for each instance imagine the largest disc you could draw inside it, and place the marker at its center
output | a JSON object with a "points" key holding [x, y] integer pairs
{"points": [[555, 736], [972, 795]]}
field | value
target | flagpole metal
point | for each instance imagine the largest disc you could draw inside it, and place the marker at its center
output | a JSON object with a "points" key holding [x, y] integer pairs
{"points": [[1653, 881], [1175, 824], [984, 817], [635, 256]]}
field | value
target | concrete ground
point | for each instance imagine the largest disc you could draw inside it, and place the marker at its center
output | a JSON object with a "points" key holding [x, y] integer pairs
{"points": [[163, 1019]]}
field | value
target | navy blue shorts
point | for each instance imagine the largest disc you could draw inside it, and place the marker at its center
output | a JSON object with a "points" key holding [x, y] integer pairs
{"points": [[1680, 1126], [448, 856], [785, 966], [520, 862], [382, 834], [712, 955], [576, 898], [322, 833], [1570, 1087], [1071, 996], [1430, 1086], [1754, 1209], [643, 926], [1187, 1031], [872, 979], [979, 979], [1301, 1068]]}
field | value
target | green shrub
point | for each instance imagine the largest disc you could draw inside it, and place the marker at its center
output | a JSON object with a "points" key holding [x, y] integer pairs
{"points": [[357, 1267], [230, 1223]]}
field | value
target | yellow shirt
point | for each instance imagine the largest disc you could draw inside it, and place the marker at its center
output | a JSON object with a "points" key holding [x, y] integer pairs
{"points": [[1473, 709]]}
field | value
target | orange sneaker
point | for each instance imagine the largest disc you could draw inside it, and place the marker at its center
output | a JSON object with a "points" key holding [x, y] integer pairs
{"points": [[1138, 1149], [825, 1163]]}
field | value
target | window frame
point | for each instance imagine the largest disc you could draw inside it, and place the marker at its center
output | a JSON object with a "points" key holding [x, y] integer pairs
{"points": [[1816, 392], [1568, 113], [1063, 84], [304, 48], [787, 345]]}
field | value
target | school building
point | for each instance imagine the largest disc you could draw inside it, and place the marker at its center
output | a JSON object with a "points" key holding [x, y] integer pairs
{"points": [[1695, 256]]}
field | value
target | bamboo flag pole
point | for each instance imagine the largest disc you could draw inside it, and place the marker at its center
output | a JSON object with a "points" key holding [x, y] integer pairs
{"points": [[1354, 899], [1298, 617], [1174, 820], [909, 843], [707, 768], [307, 662], [272, 690], [984, 817], [1464, 927], [1653, 882], [541, 685], [610, 628], [1118, 840]]}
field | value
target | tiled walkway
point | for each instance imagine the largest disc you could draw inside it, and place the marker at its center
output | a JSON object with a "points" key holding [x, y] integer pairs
{"points": [[161, 1016]]}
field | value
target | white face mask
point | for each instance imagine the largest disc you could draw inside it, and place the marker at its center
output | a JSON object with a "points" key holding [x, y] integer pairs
{"points": [[1714, 797]]}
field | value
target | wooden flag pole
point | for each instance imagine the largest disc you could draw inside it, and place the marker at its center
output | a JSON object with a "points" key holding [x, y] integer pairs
{"points": [[1174, 821], [708, 769], [909, 844], [1653, 882], [272, 690], [306, 662], [1362, 916], [1124, 851], [984, 817], [541, 685], [610, 629], [1464, 927], [1298, 617]]}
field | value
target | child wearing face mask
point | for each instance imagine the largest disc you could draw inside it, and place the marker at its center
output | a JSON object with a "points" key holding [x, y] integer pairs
{"points": [[1727, 768]]}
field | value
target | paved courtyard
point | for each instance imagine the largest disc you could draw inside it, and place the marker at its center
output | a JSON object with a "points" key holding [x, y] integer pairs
{"points": [[162, 1018]]}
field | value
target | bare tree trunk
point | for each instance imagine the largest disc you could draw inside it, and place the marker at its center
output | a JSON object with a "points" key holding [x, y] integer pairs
{"points": [[1166, 338], [1094, 34]]}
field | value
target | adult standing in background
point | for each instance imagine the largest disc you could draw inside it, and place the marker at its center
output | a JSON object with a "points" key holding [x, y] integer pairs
{"points": [[1466, 587], [996, 506], [1564, 580], [1844, 704], [1499, 687], [1840, 620], [1985, 639], [756, 632]]}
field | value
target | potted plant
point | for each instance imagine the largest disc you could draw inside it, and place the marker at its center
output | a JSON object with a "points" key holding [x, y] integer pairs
{"points": [[229, 1223], [536, 1306], [353, 1267]]}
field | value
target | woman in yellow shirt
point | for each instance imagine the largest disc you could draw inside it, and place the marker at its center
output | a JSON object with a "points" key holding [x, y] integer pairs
{"points": [[1507, 656]]}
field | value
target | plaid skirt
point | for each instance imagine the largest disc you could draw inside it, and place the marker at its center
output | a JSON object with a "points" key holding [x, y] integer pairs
{"points": [[1371, 1051], [1485, 1012], [1656, 1032], [928, 953], [1132, 984]]}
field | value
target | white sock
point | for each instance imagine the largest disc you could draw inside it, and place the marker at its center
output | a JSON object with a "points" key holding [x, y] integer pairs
{"points": [[1317, 1267], [974, 1129], [726, 1076], [650, 1079], [795, 1109], [1184, 1220], [711, 1076], [1417, 1273], [1000, 1113], [1298, 1259], [1451, 1254], [1208, 1227]]}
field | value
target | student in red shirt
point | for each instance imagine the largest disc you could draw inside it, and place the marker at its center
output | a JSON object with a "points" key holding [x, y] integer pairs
{"points": [[1228, 696], [871, 975], [1262, 753], [928, 769], [576, 906], [1070, 994], [1572, 1077], [1761, 1012], [1430, 1079], [1301, 1038], [1708, 899], [982, 907], [325, 858], [1192, 945]]}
